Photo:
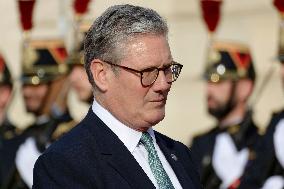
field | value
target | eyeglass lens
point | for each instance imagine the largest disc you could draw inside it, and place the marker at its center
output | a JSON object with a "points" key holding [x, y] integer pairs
{"points": [[171, 73]]}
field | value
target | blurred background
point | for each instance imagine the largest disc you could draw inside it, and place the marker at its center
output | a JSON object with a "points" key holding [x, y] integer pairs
{"points": [[254, 22]]}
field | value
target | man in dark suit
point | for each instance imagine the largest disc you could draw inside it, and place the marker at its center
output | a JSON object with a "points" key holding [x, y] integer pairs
{"points": [[129, 64]]}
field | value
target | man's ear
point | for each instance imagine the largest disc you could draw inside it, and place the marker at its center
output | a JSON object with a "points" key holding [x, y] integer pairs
{"points": [[99, 72]]}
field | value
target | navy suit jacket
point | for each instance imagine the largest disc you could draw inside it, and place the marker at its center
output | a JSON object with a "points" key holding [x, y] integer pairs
{"points": [[92, 156]]}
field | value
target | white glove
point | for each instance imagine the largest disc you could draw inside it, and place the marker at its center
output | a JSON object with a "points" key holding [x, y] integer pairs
{"points": [[26, 157], [278, 139], [228, 162], [274, 182]]}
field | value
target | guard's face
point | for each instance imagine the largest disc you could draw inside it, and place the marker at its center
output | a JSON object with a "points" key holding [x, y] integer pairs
{"points": [[34, 96], [80, 83], [218, 97], [5, 95], [137, 106]]}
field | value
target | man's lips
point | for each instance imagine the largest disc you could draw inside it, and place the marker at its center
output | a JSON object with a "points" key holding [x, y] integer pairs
{"points": [[159, 100]]}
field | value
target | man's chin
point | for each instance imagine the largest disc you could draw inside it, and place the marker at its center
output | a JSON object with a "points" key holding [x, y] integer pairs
{"points": [[32, 110], [218, 113], [157, 117]]}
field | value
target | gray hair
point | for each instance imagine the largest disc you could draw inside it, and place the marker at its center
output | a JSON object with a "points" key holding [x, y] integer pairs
{"points": [[110, 32]]}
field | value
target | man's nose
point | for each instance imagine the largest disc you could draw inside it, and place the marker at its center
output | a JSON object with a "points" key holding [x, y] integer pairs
{"points": [[209, 87], [161, 82]]}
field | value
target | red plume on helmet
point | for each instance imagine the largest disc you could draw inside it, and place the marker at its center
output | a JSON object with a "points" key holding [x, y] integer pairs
{"points": [[279, 4], [211, 13], [80, 6], [26, 13]]}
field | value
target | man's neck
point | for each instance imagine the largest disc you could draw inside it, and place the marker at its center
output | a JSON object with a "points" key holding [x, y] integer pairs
{"points": [[234, 117]]}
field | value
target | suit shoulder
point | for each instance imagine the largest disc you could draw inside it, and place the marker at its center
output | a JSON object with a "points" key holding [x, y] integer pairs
{"points": [[277, 114], [164, 137], [171, 143], [71, 141], [168, 140], [184, 155], [275, 118]]}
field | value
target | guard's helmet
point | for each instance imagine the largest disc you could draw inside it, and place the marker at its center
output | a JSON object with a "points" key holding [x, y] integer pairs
{"points": [[229, 60], [43, 61], [77, 54]]}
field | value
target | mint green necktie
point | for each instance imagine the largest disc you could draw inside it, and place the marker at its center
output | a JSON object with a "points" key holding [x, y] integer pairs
{"points": [[156, 166]]}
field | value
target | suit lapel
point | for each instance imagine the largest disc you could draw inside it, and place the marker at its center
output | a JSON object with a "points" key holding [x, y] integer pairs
{"points": [[175, 163], [126, 165], [116, 154]]}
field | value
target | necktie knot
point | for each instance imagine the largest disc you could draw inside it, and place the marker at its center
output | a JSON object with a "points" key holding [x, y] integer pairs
{"points": [[146, 139]]}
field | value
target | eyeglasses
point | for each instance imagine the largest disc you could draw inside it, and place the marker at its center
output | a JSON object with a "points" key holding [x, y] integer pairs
{"points": [[149, 75]]}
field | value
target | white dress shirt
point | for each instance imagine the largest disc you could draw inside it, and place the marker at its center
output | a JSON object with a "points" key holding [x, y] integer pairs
{"points": [[130, 139]]}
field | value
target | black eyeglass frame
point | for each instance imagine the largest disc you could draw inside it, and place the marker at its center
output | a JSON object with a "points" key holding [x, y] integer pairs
{"points": [[149, 69]]}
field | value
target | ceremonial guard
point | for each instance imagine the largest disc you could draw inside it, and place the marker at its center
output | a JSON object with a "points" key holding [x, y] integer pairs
{"points": [[267, 171], [78, 77], [7, 130], [224, 152], [45, 88]]}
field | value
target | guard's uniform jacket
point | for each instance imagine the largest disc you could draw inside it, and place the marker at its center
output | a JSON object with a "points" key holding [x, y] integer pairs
{"points": [[244, 135], [7, 132], [267, 163], [21, 153]]}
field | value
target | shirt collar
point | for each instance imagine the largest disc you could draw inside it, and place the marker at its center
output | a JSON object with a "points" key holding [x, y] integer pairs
{"points": [[127, 135]]}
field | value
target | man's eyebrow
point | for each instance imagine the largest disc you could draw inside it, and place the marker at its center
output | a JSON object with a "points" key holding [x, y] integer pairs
{"points": [[149, 68], [169, 62]]}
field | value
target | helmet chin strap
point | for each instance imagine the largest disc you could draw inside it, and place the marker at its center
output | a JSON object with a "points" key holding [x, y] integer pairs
{"points": [[55, 103]]}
